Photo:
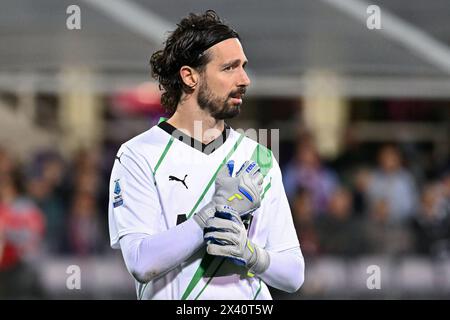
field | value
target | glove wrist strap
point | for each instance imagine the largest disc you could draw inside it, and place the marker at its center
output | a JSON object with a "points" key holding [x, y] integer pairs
{"points": [[204, 214], [259, 259]]}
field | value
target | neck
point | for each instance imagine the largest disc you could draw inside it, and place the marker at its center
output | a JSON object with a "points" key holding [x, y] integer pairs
{"points": [[196, 123]]}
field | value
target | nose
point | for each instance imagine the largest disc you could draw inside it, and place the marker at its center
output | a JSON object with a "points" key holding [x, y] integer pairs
{"points": [[244, 80]]}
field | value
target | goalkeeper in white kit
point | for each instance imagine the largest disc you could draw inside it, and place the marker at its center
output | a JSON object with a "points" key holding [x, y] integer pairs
{"points": [[202, 213]]}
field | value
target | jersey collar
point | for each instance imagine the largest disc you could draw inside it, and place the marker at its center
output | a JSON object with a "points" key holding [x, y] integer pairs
{"points": [[194, 143]]}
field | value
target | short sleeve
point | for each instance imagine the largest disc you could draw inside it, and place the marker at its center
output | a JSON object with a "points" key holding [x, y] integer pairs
{"points": [[282, 235], [134, 205]]}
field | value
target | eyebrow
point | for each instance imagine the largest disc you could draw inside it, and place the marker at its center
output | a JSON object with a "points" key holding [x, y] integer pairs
{"points": [[234, 63]]}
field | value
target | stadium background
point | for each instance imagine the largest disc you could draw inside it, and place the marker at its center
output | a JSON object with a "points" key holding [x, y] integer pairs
{"points": [[363, 118]]}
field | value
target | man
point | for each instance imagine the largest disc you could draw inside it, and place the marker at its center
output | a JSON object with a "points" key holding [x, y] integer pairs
{"points": [[394, 184], [189, 224]]}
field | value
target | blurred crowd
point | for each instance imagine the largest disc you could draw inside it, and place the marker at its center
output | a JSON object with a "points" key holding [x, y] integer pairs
{"points": [[349, 208], [50, 205], [59, 200]]}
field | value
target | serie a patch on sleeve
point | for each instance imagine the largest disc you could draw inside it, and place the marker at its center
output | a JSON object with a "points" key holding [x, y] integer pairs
{"points": [[118, 200]]}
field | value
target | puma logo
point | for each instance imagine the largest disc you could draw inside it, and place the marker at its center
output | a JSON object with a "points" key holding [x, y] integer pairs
{"points": [[118, 157], [173, 178]]}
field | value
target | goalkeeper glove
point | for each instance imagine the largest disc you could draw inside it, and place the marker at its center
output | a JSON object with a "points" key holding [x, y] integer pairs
{"points": [[243, 191], [226, 236]]}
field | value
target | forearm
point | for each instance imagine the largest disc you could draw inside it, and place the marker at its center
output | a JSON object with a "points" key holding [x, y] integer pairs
{"points": [[149, 256], [286, 270]]}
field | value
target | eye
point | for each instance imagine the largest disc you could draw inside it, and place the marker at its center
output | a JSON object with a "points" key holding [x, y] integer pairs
{"points": [[229, 68]]}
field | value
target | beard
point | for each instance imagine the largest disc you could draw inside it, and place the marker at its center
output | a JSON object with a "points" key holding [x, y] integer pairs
{"points": [[220, 108]]}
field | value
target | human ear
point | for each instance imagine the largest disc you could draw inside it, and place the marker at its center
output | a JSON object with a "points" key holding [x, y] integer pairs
{"points": [[189, 76]]}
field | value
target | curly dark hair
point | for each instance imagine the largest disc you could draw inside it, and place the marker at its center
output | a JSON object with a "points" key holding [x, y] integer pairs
{"points": [[186, 45]]}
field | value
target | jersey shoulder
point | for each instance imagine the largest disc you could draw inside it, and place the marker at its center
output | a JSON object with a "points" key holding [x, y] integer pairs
{"points": [[153, 137], [147, 145], [258, 153]]}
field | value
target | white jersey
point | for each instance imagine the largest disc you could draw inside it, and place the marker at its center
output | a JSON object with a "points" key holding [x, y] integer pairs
{"points": [[159, 180]]}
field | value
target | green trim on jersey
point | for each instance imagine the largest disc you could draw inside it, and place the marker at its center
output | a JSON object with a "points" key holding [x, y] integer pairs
{"points": [[163, 155], [161, 158], [141, 290], [213, 178], [266, 188], [263, 157], [209, 280], [162, 119], [204, 264], [258, 291], [207, 259]]}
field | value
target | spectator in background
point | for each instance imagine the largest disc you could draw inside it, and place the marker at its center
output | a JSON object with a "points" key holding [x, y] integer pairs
{"points": [[304, 221], [2, 235], [7, 167], [306, 171], [394, 184], [86, 180], [381, 235], [431, 225], [340, 232], [446, 192], [21, 231], [45, 186], [84, 231], [54, 173], [85, 172], [361, 182]]}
